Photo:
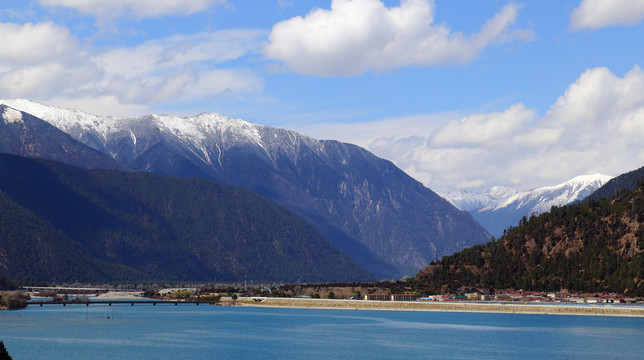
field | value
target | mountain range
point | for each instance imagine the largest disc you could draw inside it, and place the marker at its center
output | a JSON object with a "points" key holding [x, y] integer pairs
{"points": [[25, 135], [614, 186], [64, 224], [501, 207], [386, 221], [588, 246]]}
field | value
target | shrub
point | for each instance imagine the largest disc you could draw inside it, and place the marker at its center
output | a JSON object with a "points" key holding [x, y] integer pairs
{"points": [[13, 300]]}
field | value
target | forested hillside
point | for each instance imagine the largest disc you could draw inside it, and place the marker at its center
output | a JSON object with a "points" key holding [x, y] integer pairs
{"points": [[623, 182], [594, 246], [60, 223], [388, 222], [6, 284]]}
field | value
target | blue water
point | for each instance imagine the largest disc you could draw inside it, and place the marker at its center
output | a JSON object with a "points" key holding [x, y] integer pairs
{"points": [[213, 332]]}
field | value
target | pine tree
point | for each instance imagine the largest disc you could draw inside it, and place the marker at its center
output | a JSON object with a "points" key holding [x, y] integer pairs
{"points": [[4, 355]]}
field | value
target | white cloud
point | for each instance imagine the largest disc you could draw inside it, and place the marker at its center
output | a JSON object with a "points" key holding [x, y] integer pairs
{"points": [[109, 9], [596, 126], [221, 82], [179, 51], [483, 129], [356, 36], [364, 133], [284, 3], [27, 44], [181, 67], [106, 105], [595, 14], [40, 60], [44, 61], [46, 80]]}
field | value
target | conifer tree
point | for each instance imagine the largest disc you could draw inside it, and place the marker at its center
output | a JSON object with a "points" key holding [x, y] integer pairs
{"points": [[4, 354]]}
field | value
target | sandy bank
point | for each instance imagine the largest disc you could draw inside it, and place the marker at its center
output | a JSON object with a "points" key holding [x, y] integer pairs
{"points": [[556, 309], [126, 295]]}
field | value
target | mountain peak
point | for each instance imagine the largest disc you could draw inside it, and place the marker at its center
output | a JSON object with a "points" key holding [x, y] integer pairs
{"points": [[506, 211], [469, 200], [11, 115], [589, 179], [388, 222]]}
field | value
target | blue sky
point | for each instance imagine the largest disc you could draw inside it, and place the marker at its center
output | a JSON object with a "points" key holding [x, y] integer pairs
{"points": [[459, 94]]}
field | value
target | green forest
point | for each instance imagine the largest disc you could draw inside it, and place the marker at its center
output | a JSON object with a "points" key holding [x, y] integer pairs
{"points": [[61, 223], [593, 246]]}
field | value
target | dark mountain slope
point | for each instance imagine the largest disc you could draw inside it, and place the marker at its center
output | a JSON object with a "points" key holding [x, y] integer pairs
{"points": [[624, 182], [594, 246], [64, 223], [25, 135], [390, 223]]}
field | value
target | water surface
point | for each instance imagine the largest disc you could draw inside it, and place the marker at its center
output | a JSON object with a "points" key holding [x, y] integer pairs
{"points": [[205, 332]]}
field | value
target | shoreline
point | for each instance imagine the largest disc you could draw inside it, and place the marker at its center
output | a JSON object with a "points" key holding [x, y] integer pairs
{"points": [[500, 308]]}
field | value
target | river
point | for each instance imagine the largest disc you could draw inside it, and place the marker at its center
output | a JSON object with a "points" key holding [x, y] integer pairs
{"points": [[187, 331]]}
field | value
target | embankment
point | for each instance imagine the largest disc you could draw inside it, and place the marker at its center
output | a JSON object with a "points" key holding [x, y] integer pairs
{"points": [[523, 308]]}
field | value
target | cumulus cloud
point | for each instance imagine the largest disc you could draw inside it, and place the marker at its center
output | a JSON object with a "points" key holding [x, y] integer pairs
{"points": [[44, 61], [180, 50], [108, 9], [356, 36], [596, 126], [364, 133], [35, 58], [181, 67], [99, 105], [483, 129], [596, 14], [28, 44]]}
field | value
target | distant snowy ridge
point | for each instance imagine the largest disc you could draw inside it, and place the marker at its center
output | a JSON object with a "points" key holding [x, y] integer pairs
{"points": [[542, 199], [468, 201], [385, 220], [501, 207], [191, 131], [207, 135]]}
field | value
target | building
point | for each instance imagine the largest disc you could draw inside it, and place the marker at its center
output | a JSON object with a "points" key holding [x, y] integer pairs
{"points": [[403, 297], [378, 297], [394, 297]]}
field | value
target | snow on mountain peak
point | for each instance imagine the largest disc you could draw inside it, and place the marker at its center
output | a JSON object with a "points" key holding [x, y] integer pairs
{"points": [[542, 199], [193, 130], [11, 115], [507, 211], [466, 200], [587, 180]]}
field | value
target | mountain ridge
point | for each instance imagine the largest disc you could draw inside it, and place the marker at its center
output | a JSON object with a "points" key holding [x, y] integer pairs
{"points": [[365, 205], [25, 135], [509, 206], [626, 181], [63, 223], [588, 246]]}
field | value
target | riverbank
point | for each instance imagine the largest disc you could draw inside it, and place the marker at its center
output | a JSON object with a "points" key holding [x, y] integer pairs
{"points": [[523, 308]]}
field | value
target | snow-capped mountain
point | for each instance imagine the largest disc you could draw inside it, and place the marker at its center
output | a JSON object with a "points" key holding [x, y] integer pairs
{"points": [[469, 200], [542, 199], [388, 222], [25, 135], [498, 213]]}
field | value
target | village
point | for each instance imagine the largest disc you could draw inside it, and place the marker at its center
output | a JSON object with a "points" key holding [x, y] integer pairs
{"points": [[475, 294]]}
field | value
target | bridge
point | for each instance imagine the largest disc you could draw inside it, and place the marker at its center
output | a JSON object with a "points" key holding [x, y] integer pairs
{"points": [[115, 302]]}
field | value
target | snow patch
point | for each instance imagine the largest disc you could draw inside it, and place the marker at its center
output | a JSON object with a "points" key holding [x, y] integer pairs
{"points": [[12, 116]]}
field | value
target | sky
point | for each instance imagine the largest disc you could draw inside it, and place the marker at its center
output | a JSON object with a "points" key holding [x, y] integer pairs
{"points": [[459, 94]]}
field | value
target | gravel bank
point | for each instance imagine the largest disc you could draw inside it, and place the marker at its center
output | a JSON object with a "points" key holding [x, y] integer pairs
{"points": [[554, 309]]}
